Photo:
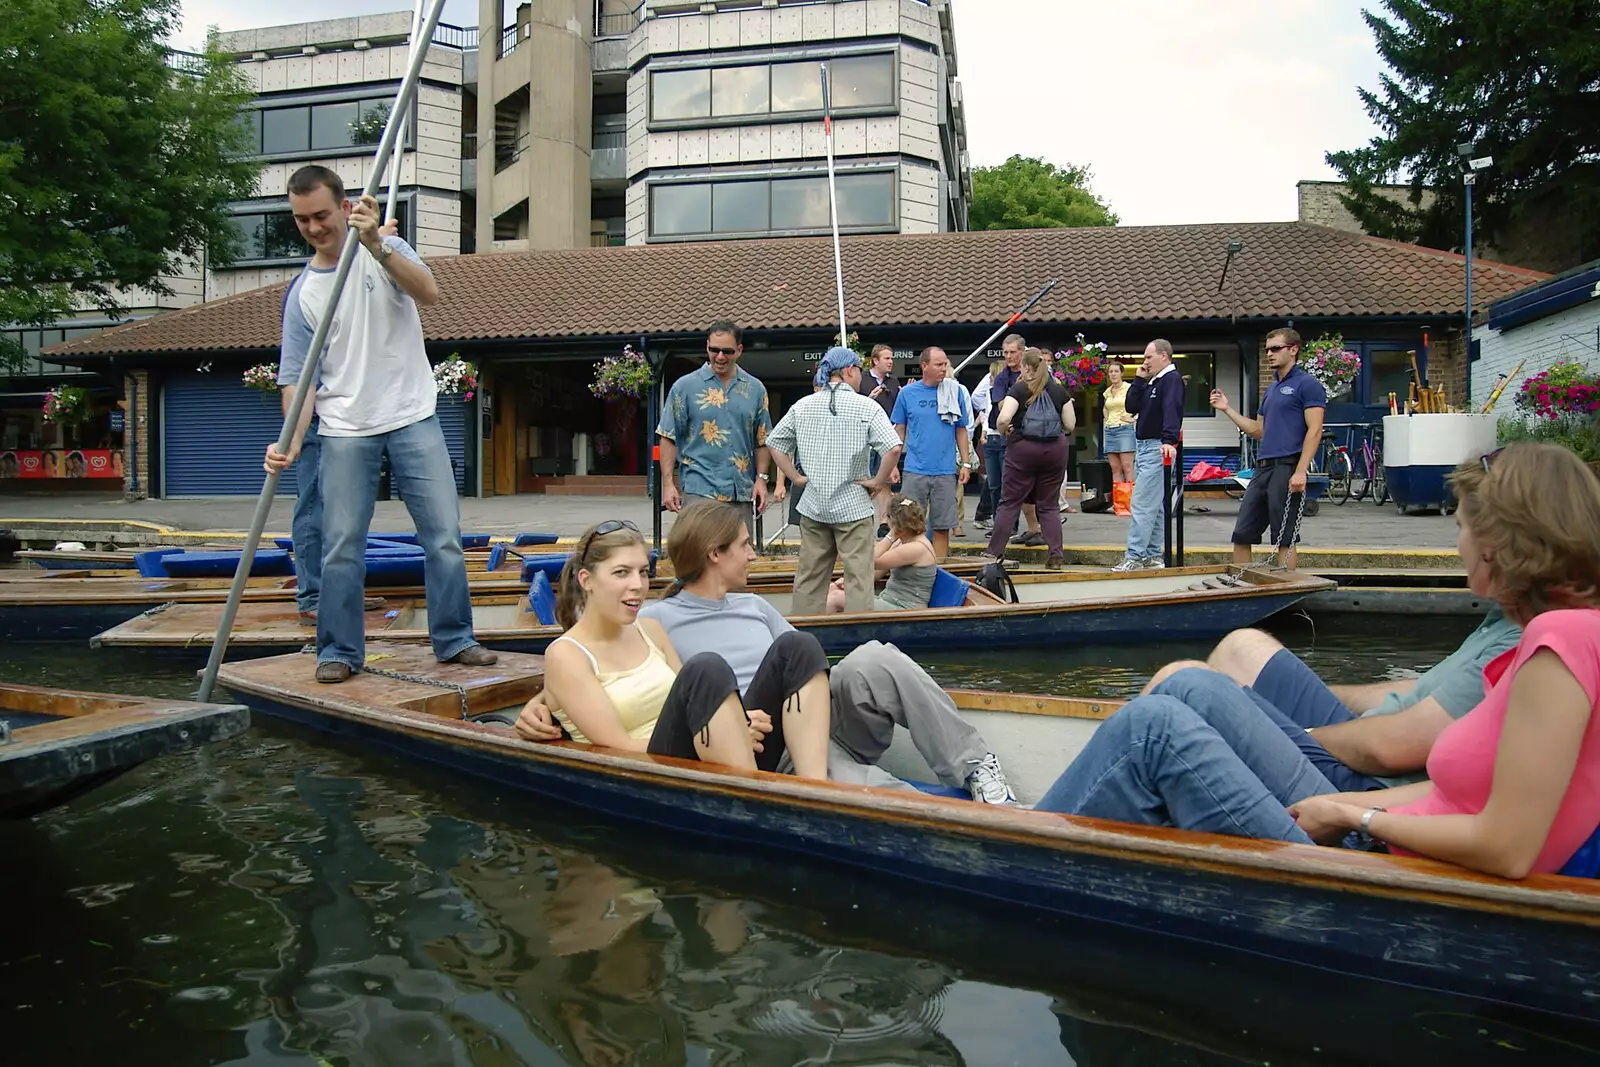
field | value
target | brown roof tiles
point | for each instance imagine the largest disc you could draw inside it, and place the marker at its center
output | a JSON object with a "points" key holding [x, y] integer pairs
{"points": [[1127, 273]]}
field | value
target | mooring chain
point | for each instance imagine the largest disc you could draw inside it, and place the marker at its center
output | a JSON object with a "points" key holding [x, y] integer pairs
{"points": [[400, 676], [1299, 515]]}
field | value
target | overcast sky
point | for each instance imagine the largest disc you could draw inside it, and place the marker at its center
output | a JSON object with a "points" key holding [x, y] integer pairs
{"points": [[1185, 110]]}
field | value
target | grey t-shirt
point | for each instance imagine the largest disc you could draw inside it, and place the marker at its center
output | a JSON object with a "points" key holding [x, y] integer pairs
{"points": [[740, 628], [1456, 681]]}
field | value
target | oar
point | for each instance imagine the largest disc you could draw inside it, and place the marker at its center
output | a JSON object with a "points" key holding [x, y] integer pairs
{"points": [[833, 203], [308, 374], [1004, 326]]}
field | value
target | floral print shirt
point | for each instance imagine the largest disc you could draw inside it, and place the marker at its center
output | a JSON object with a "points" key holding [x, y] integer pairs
{"points": [[717, 429]]}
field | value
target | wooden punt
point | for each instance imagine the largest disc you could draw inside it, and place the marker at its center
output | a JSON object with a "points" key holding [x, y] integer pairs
{"points": [[1534, 943], [1056, 608], [57, 743]]}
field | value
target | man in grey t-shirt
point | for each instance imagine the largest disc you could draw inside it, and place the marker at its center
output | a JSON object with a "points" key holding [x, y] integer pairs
{"points": [[1365, 736]]}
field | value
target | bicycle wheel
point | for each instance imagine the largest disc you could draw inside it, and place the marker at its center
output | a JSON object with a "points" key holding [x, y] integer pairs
{"points": [[1380, 487], [1339, 478]]}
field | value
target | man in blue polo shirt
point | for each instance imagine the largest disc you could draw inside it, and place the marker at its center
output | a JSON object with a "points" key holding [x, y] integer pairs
{"points": [[932, 416], [1289, 428]]}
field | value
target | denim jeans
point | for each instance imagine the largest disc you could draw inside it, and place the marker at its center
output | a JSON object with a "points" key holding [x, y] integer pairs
{"points": [[306, 528], [1144, 529], [419, 464], [1198, 753], [994, 465]]}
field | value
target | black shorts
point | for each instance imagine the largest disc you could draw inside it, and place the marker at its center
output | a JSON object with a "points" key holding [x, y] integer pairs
{"points": [[1265, 502], [707, 680]]}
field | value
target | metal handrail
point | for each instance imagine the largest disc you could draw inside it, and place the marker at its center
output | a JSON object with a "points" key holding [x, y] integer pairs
{"points": [[616, 23], [509, 39], [462, 37]]}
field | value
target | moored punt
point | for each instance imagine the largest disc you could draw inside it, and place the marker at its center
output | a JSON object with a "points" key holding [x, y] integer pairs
{"points": [[1055, 608], [1534, 943], [58, 743]]}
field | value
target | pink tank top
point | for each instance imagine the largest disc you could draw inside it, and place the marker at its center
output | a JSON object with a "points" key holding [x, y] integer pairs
{"points": [[1461, 764]]}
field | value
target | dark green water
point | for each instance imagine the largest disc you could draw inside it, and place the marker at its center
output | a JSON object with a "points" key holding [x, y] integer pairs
{"points": [[284, 899]]}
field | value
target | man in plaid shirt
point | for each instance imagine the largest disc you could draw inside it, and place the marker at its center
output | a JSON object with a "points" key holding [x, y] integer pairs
{"points": [[834, 433]]}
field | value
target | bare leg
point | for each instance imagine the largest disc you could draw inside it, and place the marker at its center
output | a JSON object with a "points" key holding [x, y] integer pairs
{"points": [[1030, 515], [726, 738], [1241, 555], [806, 725], [1241, 654], [1289, 557], [941, 544]]}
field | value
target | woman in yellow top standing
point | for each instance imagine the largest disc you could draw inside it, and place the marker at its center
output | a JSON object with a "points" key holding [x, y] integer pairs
{"points": [[1118, 424]]}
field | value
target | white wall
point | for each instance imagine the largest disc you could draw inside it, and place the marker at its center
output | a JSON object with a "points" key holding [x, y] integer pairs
{"points": [[1567, 336]]}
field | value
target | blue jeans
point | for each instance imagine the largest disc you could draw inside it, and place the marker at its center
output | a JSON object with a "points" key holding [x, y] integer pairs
{"points": [[419, 464], [1297, 700], [1197, 753], [306, 528], [1144, 529], [994, 465]]}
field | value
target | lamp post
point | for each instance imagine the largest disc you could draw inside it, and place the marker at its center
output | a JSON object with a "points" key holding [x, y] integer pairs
{"points": [[1470, 166]]}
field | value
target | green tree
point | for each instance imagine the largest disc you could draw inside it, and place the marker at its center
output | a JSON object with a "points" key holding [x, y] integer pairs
{"points": [[1025, 194], [1521, 78], [114, 166]]}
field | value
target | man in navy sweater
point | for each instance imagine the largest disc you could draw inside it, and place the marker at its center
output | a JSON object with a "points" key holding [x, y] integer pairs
{"points": [[1156, 397]]}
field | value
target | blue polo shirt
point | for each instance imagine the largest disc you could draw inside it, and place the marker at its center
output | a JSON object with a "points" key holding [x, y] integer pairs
{"points": [[1283, 411], [930, 441]]}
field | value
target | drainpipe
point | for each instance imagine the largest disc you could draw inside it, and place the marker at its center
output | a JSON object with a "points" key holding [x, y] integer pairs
{"points": [[131, 429]]}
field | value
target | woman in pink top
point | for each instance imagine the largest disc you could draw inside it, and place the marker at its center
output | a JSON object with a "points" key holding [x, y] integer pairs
{"points": [[1515, 783]]}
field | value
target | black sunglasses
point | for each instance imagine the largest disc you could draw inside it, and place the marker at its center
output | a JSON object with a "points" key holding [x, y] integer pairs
{"points": [[610, 526], [713, 350], [1488, 458], [1273, 349]]}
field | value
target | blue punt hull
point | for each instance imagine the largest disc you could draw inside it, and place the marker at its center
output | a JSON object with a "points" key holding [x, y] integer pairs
{"points": [[1278, 901]]}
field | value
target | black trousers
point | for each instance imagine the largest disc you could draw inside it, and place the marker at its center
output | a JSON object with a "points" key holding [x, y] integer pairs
{"points": [[1265, 505], [707, 680]]}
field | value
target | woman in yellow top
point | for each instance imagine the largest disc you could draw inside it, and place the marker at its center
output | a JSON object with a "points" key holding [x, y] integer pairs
{"points": [[1119, 445], [613, 679]]}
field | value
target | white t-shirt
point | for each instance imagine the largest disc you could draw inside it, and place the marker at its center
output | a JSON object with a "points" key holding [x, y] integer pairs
{"points": [[374, 377]]}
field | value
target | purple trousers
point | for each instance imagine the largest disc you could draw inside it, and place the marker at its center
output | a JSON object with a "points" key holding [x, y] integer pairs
{"points": [[1033, 474]]}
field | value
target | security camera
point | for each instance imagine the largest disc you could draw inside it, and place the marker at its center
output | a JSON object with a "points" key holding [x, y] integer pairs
{"points": [[1235, 247]]}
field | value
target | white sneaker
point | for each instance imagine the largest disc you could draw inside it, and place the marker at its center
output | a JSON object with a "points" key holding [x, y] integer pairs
{"points": [[1128, 564], [987, 783], [1154, 563]]}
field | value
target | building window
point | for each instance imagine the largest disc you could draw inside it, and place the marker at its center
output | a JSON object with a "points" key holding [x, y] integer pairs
{"points": [[771, 205], [859, 84], [310, 128], [269, 235], [1199, 371]]}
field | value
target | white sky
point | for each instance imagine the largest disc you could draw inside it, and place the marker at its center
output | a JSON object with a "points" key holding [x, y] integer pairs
{"points": [[1185, 110]]}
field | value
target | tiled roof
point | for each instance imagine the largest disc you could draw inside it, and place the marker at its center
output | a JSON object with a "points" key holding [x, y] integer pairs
{"points": [[1107, 274]]}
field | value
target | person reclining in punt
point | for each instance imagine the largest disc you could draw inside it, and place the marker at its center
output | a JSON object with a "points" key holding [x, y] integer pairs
{"points": [[1514, 784]]}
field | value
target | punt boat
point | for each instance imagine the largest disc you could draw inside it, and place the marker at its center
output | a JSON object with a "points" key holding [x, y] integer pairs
{"points": [[1053, 608], [57, 743], [1533, 943]]}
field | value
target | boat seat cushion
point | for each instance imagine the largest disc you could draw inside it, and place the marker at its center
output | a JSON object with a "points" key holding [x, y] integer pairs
{"points": [[1585, 863], [949, 590], [542, 599], [934, 789], [524, 539]]}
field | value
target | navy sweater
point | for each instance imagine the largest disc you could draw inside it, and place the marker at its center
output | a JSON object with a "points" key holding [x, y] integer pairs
{"points": [[1159, 406]]}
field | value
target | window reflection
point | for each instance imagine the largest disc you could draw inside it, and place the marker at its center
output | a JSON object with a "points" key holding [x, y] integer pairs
{"points": [[285, 129], [776, 88], [800, 204], [861, 81], [796, 87], [739, 207], [1390, 372], [273, 235], [681, 209], [739, 91], [314, 127], [680, 94], [781, 205], [865, 199], [331, 124]]}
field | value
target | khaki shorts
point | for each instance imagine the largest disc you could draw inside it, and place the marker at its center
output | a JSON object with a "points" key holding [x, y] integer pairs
{"points": [[937, 495]]}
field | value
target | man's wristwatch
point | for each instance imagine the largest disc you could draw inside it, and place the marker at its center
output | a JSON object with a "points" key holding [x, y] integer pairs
{"points": [[761, 477], [384, 252]]}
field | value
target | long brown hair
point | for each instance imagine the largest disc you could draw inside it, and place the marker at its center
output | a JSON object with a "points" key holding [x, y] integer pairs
{"points": [[593, 549], [1534, 510], [1038, 360], [703, 527]]}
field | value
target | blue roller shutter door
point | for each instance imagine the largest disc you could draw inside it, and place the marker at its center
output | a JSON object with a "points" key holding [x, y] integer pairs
{"points": [[214, 430], [453, 415]]}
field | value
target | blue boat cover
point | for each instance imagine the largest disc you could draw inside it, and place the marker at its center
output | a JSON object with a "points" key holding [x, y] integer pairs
{"points": [[472, 540], [542, 599], [949, 590], [268, 562], [149, 564], [395, 568], [534, 539], [548, 564], [1585, 863]]}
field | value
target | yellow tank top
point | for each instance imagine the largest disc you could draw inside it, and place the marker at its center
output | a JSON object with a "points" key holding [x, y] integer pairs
{"points": [[1116, 413], [637, 693]]}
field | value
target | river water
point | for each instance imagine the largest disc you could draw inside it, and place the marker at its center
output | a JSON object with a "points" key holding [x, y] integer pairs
{"points": [[287, 899]]}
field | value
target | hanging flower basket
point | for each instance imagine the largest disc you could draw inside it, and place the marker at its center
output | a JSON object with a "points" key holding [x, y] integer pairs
{"points": [[852, 341], [67, 405], [263, 376], [624, 375], [456, 375], [1080, 367], [1329, 362]]}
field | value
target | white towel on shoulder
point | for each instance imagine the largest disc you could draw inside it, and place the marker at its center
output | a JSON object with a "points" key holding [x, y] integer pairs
{"points": [[950, 401]]}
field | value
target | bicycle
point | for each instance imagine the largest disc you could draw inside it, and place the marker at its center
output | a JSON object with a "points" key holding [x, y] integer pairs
{"points": [[1334, 460], [1372, 476]]}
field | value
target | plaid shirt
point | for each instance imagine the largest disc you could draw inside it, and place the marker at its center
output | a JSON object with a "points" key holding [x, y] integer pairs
{"points": [[831, 434]]}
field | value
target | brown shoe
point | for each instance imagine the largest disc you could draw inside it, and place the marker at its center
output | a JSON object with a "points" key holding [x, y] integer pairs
{"points": [[372, 603], [333, 672], [474, 656], [1054, 562]]}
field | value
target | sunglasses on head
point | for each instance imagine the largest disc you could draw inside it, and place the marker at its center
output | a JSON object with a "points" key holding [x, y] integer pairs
{"points": [[713, 350], [1488, 459], [609, 527]]}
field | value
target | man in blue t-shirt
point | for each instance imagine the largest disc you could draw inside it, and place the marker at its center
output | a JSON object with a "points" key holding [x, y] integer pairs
{"points": [[1289, 427], [932, 416]]}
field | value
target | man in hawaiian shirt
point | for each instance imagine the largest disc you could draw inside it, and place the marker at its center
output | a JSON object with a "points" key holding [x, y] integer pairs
{"points": [[714, 429]]}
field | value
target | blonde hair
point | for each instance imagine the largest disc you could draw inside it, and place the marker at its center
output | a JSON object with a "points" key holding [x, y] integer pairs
{"points": [[702, 527], [1037, 360], [593, 549], [907, 516], [1534, 513]]}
